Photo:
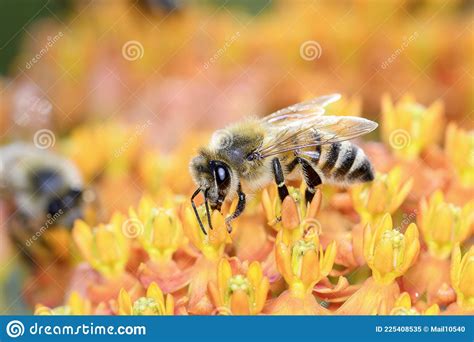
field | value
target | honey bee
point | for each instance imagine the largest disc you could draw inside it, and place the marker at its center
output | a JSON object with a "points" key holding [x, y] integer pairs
{"points": [[42, 190], [295, 142]]}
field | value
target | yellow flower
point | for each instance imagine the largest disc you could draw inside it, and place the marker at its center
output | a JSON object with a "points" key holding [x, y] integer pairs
{"points": [[76, 305], [272, 208], [459, 146], [293, 215], [303, 263], [99, 148], [403, 307], [104, 247], [239, 294], [384, 195], [211, 245], [212, 248], [408, 128], [154, 303], [443, 224], [158, 230], [388, 252], [462, 277], [151, 169]]}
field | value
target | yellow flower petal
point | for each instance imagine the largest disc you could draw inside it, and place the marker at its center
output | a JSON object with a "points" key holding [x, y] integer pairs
{"points": [[254, 273], [404, 301], [124, 303]]}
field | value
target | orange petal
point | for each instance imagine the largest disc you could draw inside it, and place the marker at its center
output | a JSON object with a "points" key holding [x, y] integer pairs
{"points": [[289, 213], [310, 271], [239, 303], [314, 205], [267, 205]]}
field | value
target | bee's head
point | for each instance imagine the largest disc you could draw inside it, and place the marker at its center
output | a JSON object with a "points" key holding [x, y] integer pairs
{"points": [[213, 178]]}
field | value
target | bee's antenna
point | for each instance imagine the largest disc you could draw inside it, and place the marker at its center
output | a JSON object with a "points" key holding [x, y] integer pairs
{"points": [[198, 190], [207, 209]]}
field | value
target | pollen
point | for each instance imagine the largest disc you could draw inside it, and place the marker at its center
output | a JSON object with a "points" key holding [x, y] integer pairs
{"points": [[145, 306], [239, 282], [405, 312], [395, 237], [301, 247]]}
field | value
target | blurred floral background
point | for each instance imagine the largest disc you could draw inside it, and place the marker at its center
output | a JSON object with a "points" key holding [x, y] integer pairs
{"points": [[129, 90]]}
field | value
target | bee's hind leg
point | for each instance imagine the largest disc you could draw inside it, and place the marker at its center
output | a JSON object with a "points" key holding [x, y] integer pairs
{"points": [[279, 179], [311, 179], [240, 208]]}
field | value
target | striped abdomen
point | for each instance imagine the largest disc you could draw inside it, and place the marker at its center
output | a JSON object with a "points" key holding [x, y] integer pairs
{"points": [[342, 162]]}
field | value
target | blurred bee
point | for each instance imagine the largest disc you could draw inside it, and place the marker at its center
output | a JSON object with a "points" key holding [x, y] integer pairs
{"points": [[42, 190], [292, 142]]}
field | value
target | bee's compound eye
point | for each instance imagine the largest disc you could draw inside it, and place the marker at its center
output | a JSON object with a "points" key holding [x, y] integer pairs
{"points": [[221, 174]]}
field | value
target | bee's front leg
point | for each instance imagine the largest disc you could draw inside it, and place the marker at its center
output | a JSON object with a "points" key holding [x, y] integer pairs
{"points": [[240, 208], [279, 179]]}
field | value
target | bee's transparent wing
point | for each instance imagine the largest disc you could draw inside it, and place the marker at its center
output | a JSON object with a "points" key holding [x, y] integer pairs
{"points": [[312, 130], [301, 110]]}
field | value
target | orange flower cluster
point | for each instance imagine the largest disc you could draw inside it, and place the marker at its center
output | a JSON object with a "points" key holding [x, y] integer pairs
{"points": [[401, 244], [377, 248]]}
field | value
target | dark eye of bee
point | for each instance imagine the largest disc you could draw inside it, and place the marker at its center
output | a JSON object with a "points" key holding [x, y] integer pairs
{"points": [[221, 173]]}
